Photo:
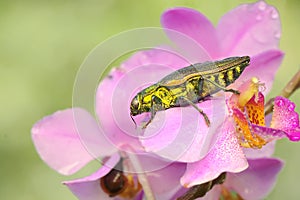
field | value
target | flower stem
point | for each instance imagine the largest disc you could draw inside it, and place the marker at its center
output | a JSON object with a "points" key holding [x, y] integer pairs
{"points": [[287, 91], [136, 166], [141, 176]]}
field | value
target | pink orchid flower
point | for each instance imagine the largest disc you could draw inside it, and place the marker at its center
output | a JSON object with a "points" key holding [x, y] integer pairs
{"points": [[253, 183], [246, 128], [69, 139], [60, 145]]}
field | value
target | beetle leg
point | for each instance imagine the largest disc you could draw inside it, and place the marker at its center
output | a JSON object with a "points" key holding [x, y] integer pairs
{"points": [[155, 106], [200, 85], [200, 89], [207, 121], [221, 87]]}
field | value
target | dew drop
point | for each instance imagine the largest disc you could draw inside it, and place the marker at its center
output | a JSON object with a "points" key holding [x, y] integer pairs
{"points": [[277, 34], [262, 5], [274, 14]]}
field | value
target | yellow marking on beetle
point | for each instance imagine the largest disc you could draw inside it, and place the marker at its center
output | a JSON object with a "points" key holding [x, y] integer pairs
{"points": [[230, 75], [164, 95], [221, 80], [212, 78], [238, 70]]}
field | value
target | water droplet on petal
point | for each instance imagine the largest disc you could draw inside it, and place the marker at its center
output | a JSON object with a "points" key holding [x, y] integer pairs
{"points": [[277, 34], [262, 5], [291, 107], [279, 102], [258, 17], [274, 14]]}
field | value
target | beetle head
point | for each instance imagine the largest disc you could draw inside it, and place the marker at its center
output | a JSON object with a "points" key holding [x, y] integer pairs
{"points": [[135, 106]]}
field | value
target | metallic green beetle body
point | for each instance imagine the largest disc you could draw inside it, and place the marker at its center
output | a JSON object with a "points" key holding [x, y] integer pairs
{"points": [[188, 86]]}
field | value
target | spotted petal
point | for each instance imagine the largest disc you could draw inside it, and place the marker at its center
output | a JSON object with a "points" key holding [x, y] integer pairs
{"points": [[285, 118], [225, 156]]}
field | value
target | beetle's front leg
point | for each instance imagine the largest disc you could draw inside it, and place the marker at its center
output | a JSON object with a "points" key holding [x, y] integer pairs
{"points": [[155, 106]]}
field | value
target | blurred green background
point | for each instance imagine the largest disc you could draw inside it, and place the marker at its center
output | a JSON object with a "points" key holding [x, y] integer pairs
{"points": [[43, 43]]}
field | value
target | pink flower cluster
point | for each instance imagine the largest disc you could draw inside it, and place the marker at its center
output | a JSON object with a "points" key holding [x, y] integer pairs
{"points": [[165, 161]]}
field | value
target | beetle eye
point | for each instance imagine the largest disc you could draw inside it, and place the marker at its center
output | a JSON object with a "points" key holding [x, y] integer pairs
{"points": [[135, 103]]}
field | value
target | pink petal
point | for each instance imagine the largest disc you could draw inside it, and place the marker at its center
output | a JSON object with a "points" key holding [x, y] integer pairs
{"points": [[115, 92], [159, 56], [266, 133], [162, 175], [225, 156], [173, 135], [62, 146], [194, 25], [88, 188], [266, 151], [165, 182], [257, 180], [285, 118], [249, 29], [263, 66]]}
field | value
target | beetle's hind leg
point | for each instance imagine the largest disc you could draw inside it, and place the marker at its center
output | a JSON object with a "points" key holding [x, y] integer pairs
{"points": [[187, 101]]}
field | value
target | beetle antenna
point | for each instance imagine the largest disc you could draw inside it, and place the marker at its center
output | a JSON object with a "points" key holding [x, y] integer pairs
{"points": [[133, 121]]}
